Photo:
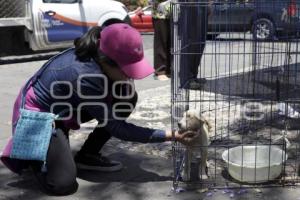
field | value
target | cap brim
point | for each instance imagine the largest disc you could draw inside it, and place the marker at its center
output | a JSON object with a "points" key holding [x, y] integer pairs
{"points": [[138, 70]]}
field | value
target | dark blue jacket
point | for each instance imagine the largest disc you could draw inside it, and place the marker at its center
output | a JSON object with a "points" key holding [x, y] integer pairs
{"points": [[67, 78]]}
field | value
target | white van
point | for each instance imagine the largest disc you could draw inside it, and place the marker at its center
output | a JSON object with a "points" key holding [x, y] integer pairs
{"points": [[52, 24]]}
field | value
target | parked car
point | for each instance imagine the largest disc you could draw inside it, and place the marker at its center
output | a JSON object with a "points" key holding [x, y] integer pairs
{"points": [[264, 18], [141, 19]]}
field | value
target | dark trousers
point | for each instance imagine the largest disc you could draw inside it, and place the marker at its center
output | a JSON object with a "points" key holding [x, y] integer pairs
{"points": [[100, 136], [60, 177], [161, 47], [192, 31]]}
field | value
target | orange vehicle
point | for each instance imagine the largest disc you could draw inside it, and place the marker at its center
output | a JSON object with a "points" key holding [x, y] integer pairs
{"points": [[141, 19]]}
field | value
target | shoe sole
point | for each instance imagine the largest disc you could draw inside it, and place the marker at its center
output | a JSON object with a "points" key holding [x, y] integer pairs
{"points": [[161, 79], [97, 168]]}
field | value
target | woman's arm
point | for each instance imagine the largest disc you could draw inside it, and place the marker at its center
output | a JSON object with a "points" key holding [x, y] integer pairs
{"points": [[186, 138], [130, 132], [120, 128]]}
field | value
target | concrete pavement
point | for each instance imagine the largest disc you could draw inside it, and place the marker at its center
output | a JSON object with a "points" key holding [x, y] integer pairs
{"points": [[144, 176]]}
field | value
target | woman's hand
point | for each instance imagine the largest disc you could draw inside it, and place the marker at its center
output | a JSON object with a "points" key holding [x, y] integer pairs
{"points": [[188, 138]]}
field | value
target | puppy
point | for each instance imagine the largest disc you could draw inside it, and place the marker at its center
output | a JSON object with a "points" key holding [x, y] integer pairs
{"points": [[193, 121]]}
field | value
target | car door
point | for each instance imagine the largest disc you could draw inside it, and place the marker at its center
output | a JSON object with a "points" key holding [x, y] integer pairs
{"points": [[142, 19], [60, 20], [231, 15], [242, 12], [220, 19]]}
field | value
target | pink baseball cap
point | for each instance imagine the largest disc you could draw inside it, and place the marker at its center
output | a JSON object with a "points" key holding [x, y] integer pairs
{"points": [[124, 45]]}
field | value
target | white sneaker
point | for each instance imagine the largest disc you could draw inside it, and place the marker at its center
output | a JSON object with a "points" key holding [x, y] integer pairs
{"points": [[161, 77]]}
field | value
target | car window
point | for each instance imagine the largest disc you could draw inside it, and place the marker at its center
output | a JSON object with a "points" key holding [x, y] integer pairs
{"points": [[244, 1], [60, 1], [147, 10], [226, 1], [238, 3], [235, 1]]}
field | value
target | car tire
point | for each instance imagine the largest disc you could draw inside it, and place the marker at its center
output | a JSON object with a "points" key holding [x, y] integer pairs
{"points": [[263, 29], [211, 36]]}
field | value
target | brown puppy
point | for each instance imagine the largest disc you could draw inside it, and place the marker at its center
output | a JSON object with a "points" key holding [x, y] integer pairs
{"points": [[193, 121]]}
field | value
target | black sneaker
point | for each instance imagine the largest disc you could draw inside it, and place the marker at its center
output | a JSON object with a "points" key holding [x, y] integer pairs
{"points": [[195, 84], [96, 162]]}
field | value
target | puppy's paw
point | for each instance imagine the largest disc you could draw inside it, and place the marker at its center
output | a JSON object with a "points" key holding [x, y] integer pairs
{"points": [[207, 164], [203, 177], [185, 178]]}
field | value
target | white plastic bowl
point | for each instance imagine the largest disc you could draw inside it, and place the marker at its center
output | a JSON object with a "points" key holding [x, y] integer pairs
{"points": [[254, 164]]}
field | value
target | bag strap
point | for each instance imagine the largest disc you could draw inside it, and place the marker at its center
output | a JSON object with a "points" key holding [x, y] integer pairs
{"points": [[36, 76]]}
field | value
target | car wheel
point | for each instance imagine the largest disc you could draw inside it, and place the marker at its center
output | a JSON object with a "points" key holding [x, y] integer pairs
{"points": [[211, 36], [263, 29]]}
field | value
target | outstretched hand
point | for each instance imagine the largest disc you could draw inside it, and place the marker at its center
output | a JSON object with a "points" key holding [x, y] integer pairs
{"points": [[188, 138]]}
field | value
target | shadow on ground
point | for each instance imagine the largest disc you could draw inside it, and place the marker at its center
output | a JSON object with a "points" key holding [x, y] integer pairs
{"points": [[139, 169]]}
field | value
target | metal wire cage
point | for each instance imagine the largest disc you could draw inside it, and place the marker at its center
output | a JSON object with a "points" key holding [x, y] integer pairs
{"points": [[237, 63]]}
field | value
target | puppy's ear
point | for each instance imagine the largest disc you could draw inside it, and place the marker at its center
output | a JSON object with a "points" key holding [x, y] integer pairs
{"points": [[199, 116], [209, 126], [203, 120]]}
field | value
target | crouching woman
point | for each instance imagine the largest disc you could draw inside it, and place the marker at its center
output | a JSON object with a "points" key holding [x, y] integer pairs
{"points": [[78, 85]]}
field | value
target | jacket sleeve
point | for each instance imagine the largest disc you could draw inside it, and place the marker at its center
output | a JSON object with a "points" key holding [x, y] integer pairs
{"points": [[100, 109]]}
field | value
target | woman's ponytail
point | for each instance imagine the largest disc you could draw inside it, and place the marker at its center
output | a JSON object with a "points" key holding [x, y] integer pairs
{"points": [[86, 47]]}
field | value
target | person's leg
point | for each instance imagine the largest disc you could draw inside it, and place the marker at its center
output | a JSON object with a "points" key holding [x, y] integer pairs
{"points": [[100, 136], [168, 46], [60, 175], [199, 39], [96, 139], [160, 46], [184, 28], [89, 156], [193, 45]]}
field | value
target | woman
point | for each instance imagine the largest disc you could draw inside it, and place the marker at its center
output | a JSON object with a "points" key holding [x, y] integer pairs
{"points": [[82, 81]]}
